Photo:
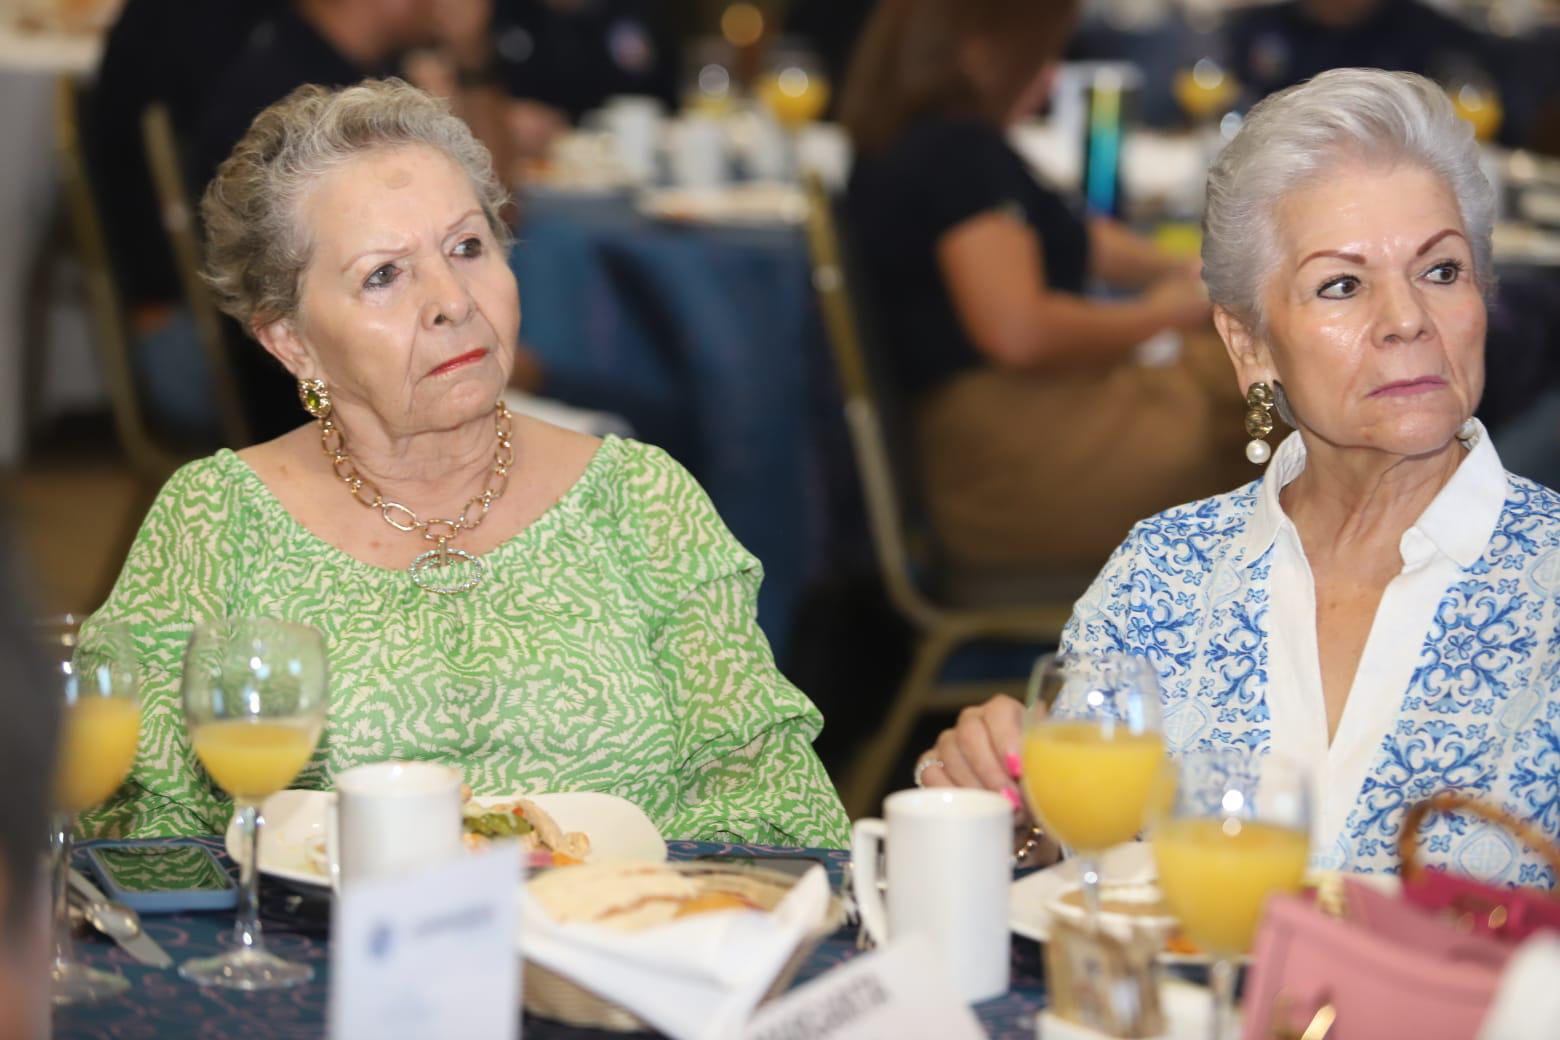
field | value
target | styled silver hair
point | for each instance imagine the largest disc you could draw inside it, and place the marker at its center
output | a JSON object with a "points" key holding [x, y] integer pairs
{"points": [[1299, 134], [256, 247]]}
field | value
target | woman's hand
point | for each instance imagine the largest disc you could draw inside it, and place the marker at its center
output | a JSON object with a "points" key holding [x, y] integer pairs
{"points": [[1182, 302], [981, 750]]}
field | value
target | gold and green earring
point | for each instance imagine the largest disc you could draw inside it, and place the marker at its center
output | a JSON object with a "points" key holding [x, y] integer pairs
{"points": [[315, 397], [1259, 422]]}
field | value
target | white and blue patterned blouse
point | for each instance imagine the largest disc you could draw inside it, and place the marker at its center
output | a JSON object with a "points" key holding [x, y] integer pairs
{"points": [[1458, 685]]}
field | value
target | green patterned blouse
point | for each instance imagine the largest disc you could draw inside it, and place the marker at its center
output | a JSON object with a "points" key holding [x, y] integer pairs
{"points": [[612, 647]]}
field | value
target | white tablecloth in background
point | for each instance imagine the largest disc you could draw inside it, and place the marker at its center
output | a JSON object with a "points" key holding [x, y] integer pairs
{"points": [[29, 191]]}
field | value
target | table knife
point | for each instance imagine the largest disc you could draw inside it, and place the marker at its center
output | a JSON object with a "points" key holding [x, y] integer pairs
{"points": [[132, 939]]}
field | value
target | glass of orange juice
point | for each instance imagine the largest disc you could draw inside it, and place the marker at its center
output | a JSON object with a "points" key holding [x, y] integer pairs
{"points": [[1234, 831], [1092, 752], [94, 669], [254, 702], [793, 86]]}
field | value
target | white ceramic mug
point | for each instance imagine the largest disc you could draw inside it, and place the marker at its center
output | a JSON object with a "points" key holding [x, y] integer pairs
{"points": [[392, 817], [949, 863], [635, 126], [698, 155]]}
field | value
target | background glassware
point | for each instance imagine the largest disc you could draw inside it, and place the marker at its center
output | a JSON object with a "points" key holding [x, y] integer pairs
{"points": [[1232, 830], [95, 672], [1093, 752], [1476, 99], [794, 86], [254, 701], [1205, 92], [709, 85]]}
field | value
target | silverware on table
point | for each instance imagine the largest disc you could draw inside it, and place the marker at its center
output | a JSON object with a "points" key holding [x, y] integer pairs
{"points": [[119, 923]]}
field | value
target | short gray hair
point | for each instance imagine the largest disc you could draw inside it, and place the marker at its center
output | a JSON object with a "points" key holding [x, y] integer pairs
{"points": [[1299, 134], [256, 249]]}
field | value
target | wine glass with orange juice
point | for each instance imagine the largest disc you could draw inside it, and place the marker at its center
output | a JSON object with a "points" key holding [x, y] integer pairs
{"points": [[254, 702], [95, 672], [1233, 831], [1092, 754], [793, 86]]}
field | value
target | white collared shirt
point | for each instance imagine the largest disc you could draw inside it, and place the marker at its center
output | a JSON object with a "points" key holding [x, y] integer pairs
{"points": [[1458, 685], [1449, 536]]}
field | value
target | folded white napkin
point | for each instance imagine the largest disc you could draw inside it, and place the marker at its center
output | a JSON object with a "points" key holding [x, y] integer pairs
{"points": [[694, 979]]}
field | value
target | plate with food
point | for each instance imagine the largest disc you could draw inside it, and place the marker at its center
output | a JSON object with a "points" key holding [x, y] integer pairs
{"points": [[642, 897], [554, 830]]}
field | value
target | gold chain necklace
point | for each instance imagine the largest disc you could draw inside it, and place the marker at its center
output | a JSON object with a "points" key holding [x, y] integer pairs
{"points": [[464, 571]]}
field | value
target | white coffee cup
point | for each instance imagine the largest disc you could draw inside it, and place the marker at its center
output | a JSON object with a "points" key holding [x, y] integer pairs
{"points": [[949, 865], [634, 124], [392, 818], [698, 155]]}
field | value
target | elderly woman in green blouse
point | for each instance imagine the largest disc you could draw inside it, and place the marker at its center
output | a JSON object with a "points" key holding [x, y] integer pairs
{"points": [[540, 609]]}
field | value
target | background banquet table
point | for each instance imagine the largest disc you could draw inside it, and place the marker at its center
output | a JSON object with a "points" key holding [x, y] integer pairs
{"points": [[706, 339], [160, 1004]]}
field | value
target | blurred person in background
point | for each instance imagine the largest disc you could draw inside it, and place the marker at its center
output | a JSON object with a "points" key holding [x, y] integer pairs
{"points": [[168, 52], [1040, 440], [29, 723], [1273, 46], [335, 43], [569, 56]]}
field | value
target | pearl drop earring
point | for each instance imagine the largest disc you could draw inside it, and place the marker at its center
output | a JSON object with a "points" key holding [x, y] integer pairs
{"points": [[1259, 422]]}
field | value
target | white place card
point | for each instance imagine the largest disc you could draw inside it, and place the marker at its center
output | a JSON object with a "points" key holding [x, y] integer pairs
{"points": [[894, 992], [429, 955]]}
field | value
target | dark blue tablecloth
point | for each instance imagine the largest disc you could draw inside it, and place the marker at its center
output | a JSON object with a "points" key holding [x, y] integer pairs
{"points": [[707, 341], [160, 1004]]}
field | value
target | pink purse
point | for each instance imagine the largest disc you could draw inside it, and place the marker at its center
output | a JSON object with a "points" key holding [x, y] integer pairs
{"points": [[1385, 969], [1507, 913], [1364, 965]]}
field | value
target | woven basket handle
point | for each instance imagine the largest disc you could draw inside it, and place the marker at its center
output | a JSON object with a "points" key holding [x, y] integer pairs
{"points": [[1452, 801]]}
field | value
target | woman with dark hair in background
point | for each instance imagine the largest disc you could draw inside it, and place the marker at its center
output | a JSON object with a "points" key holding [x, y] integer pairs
{"points": [[1040, 441]]}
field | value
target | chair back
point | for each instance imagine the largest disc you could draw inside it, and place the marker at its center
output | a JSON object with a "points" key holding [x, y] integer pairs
{"points": [[877, 417], [109, 317], [165, 158]]}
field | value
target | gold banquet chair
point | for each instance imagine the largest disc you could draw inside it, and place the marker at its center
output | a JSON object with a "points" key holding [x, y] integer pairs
{"points": [[164, 157], [950, 607], [152, 460]]}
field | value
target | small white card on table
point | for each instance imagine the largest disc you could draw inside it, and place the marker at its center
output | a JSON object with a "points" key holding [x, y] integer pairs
{"points": [[429, 955], [897, 991]]}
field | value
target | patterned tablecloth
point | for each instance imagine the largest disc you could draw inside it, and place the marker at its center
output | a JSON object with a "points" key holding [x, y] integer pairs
{"points": [[162, 1005]]}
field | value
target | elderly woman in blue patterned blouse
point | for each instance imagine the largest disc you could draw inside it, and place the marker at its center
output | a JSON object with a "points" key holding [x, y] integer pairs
{"points": [[1383, 602]]}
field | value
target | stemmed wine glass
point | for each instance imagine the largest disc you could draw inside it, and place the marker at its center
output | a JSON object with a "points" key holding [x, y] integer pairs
{"points": [[254, 701], [1093, 751], [95, 673], [1234, 831], [794, 86]]}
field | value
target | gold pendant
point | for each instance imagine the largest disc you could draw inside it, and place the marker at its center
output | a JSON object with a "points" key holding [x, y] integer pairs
{"points": [[461, 571]]}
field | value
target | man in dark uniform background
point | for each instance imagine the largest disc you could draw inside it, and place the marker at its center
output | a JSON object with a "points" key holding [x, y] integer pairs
{"points": [[572, 55]]}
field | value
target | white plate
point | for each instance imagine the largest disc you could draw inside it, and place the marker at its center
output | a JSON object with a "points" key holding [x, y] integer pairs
{"points": [[294, 831], [757, 205], [1030, 898]]}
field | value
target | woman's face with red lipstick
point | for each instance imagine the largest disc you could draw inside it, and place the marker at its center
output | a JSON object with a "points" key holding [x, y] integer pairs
{"points": [[408, 305]]}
